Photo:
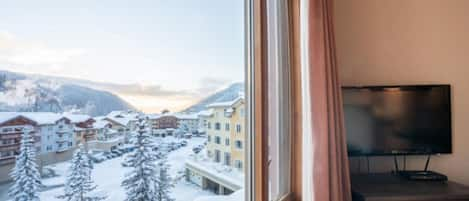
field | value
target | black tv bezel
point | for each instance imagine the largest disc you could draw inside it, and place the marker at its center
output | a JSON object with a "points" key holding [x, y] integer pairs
{"points": [[404, 153]]}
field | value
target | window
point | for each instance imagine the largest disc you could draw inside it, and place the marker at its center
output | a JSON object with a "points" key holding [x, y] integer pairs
{"points": [[238, 164], [5, 130], [238, 128], [217, 140], [5, 154], [227, 159], [238, 144], [170, 78], [217, 156]]}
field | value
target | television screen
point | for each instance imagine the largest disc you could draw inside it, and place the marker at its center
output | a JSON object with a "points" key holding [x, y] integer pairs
{"points": [[398, 120]]}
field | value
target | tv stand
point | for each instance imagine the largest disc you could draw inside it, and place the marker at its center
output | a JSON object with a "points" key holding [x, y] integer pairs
{"points": [[391, 187], [420, 175], [416, 175]]}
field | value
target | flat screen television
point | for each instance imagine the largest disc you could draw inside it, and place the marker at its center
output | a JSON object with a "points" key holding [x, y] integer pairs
{"points": [[398, 120]]}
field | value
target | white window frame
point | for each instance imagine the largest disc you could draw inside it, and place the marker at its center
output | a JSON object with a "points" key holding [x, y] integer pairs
{"points": [[279, 109]]}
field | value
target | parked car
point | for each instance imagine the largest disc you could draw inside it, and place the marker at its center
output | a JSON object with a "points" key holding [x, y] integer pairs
{"points": [[98, 157], [108, 155], [196, 150], [117, 152], [184, 143]]}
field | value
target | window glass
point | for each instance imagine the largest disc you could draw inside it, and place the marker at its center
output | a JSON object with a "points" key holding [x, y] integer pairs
{"points": [[125, 83]]}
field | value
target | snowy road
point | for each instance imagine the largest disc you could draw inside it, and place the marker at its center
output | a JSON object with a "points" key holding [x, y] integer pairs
{"points": [[109, 174]]}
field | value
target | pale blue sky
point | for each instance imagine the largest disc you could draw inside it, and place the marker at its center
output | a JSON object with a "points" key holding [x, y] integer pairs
{"points": [[179, 45]]}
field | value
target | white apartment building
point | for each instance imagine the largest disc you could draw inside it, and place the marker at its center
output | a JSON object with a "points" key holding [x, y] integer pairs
{"points": [[190, 121], [56, 131], [203, 120], [12, 127]]}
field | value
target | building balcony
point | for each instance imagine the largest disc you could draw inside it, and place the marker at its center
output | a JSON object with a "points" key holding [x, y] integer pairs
{"points": [[61, 141], [62, 149], [6, 136], [10, 147], [62, 131], [7, 160]]}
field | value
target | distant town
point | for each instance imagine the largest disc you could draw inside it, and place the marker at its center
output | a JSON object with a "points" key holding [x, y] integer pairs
{"points": [[208, 147]]}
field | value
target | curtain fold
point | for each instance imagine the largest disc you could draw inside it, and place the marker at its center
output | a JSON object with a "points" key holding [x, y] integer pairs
{"points": [[330, 171]]}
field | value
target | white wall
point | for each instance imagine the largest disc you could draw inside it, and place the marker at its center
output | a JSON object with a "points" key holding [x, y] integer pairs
{"points": [[410, 42]]}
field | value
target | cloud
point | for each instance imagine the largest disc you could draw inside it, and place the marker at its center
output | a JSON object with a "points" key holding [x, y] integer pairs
{"points": [[211, 84], [207, 85], [146, 90], [33, 54]]}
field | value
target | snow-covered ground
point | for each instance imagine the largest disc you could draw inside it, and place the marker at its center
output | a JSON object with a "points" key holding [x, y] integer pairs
{"points": [[109, 174]]}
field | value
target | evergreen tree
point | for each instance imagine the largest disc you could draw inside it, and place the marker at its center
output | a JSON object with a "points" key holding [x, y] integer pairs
{"points": [[78, 185], [140, 182], [164, 182], [25, 173]]}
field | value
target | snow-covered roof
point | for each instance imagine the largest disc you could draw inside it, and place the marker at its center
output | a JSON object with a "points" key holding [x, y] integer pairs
{"points": [[115, 113], [236, 196], [6, 116], [154, 116], [99, 118], [77, 118], [122, 117], [217, 172], [100, 123], [42, 118], [128, 114], [186, 116], [205, 113], [226, 103]]}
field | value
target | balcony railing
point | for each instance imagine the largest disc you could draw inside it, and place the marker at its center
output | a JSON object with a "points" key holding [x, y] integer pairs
{"points": [[10, 147], [7, 160], [6, 136], [62, 149]]}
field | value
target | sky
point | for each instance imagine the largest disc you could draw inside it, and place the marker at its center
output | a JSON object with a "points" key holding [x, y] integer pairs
{"points": [[161, 53]]}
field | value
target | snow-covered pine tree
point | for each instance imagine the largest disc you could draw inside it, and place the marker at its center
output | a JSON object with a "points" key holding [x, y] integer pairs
{"points": [[25, 173], [140, 182], [78, 185], [164, 182]]}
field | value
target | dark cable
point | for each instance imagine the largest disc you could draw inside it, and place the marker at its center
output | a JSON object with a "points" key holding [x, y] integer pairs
{"points": [[368, 164], [426, 164], [359, 164], [405, 163], [396, 165]]}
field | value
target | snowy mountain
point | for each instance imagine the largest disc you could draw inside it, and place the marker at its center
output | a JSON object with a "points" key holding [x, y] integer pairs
{"points": [[24, 92], [228, 94]]}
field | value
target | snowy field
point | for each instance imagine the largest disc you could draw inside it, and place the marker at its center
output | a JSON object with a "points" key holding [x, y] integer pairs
{"points": [[109, 174]]}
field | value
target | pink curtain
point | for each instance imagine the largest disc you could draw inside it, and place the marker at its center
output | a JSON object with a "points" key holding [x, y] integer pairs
{"points": [[331, 180]]}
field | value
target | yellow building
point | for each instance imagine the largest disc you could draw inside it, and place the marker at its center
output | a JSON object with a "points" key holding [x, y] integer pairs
{"points": [[226, 133]]}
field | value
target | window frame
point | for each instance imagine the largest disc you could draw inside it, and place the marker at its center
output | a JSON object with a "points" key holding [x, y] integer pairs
{"points": [[256, 144], [256, 148]]}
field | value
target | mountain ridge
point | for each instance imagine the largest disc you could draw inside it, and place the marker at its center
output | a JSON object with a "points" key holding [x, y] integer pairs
{"points": [[230, 93], [29, 92]]}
